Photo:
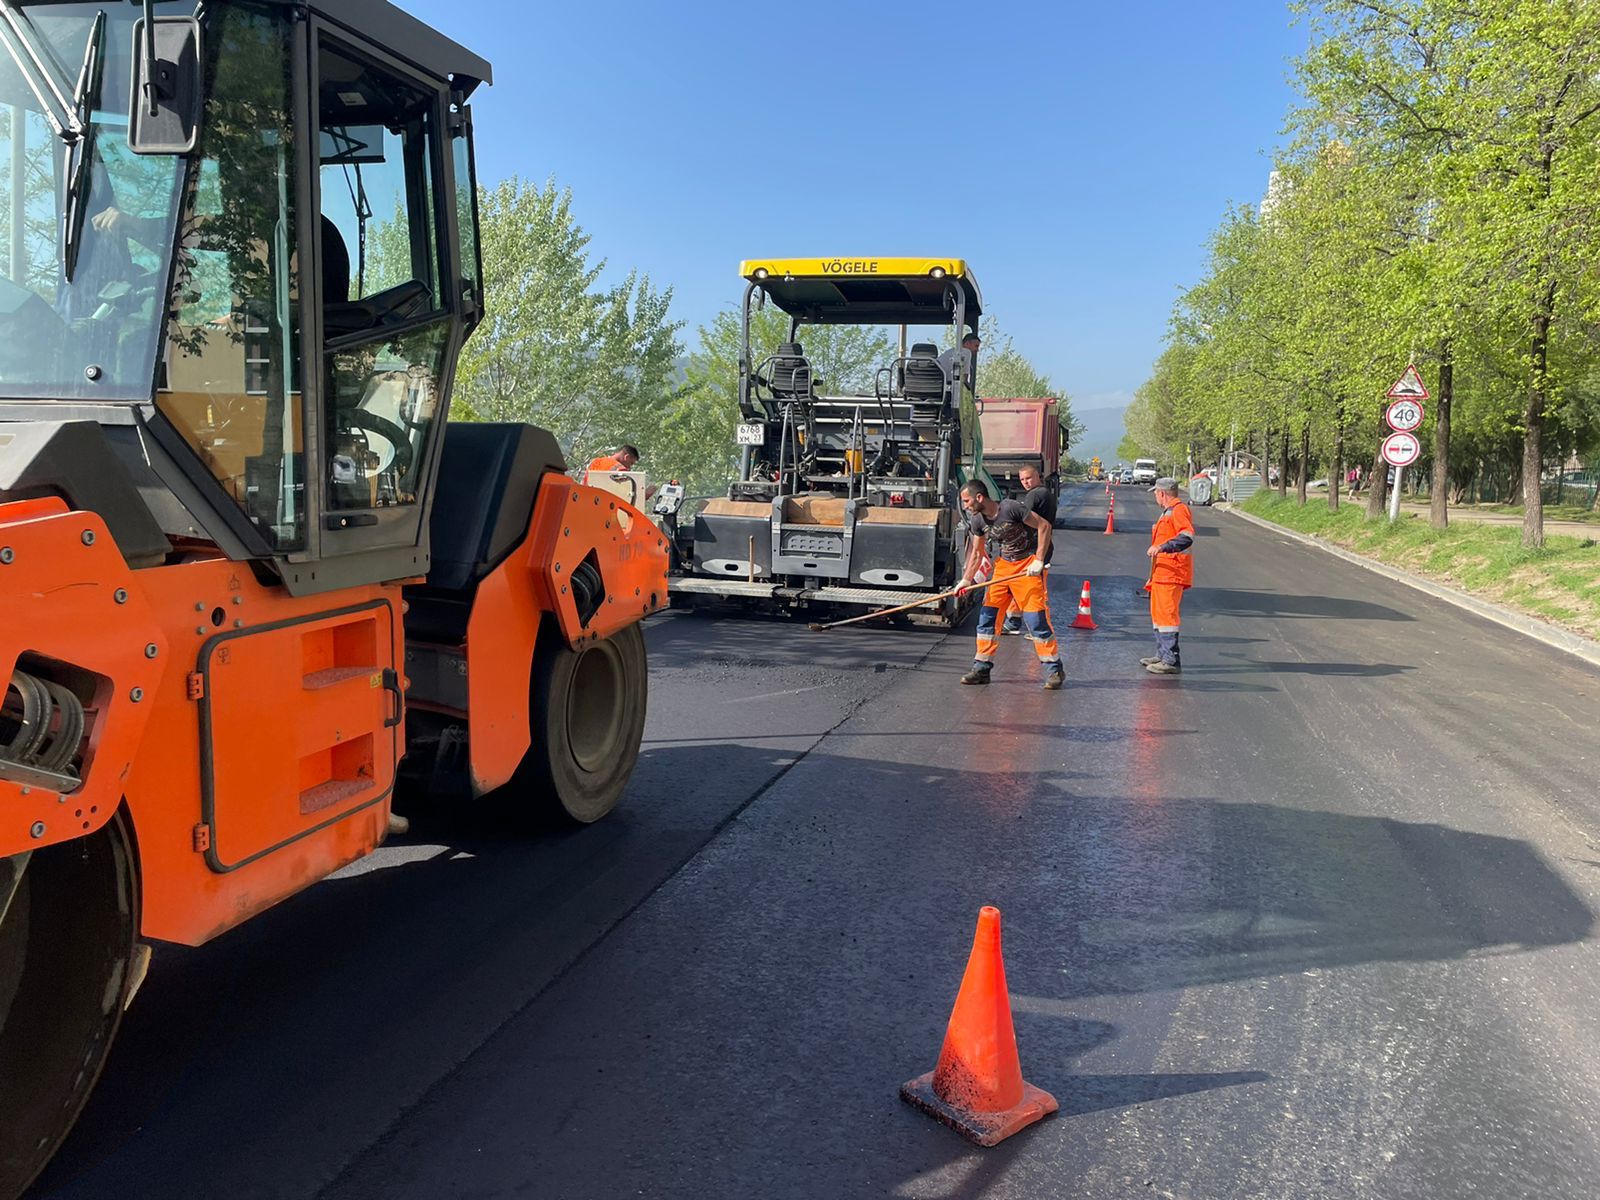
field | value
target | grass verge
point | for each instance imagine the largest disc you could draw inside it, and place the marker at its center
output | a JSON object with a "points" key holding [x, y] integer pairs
{"points": [[1559, 583]]}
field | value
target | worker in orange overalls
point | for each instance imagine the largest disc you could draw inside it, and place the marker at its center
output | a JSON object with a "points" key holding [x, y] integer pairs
{"points": [[623, 460], [1171, 571], [1018, 542]]}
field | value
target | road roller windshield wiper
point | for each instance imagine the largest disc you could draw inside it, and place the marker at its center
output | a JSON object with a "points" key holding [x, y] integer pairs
{"points": [[47, 87], [85, 95]]}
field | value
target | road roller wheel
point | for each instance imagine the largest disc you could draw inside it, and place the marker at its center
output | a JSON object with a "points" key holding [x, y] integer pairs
{"points": [[588, 709], [66, 942]]}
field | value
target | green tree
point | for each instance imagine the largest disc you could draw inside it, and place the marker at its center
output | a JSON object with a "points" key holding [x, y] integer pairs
{"points": [[593, 364], [1496, 107]]}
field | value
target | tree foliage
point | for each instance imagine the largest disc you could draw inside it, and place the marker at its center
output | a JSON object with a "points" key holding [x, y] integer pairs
{"points": [[593, 364], [1436, 205]]}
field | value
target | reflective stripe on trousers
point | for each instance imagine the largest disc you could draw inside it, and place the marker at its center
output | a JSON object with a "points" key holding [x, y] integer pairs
{"points": [[1027, 594]]}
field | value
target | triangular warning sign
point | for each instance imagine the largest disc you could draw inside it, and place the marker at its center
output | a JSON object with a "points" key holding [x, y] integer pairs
{"points": [[1408, 386]]}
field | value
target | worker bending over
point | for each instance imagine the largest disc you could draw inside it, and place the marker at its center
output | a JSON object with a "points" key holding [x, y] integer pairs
{"points": [[1018, 543], [1171, 571], [623, 459]]}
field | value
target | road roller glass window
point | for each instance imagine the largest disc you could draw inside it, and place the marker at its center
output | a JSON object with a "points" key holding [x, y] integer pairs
{"points": [[382, 310], [231, 383]]}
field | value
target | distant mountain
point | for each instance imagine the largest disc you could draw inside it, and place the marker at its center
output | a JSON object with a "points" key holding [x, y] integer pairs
{"points": [[1102, 432]]}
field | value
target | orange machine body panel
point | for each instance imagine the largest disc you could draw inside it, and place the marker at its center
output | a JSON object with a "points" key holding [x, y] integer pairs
{"points": [[569, 523], [259, 755], [252, 736]]}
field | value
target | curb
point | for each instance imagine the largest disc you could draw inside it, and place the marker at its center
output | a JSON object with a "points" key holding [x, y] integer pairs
{"points": [[1539, 631]]}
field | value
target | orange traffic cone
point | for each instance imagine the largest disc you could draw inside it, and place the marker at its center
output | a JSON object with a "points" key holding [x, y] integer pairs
{"points": [[977, 1089], [1111, 512], [1085, 618]]}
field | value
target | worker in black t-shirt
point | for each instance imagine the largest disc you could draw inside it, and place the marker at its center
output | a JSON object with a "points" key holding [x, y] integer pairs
{"points": [[1036, 498], [1018, 542]]}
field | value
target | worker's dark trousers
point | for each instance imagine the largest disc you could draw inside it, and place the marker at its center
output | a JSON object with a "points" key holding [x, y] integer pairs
{"points": [[1167, 647]]}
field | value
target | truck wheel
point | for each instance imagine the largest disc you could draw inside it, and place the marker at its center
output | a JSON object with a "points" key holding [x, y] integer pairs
{"points": [[588, 720], [66, 942]]}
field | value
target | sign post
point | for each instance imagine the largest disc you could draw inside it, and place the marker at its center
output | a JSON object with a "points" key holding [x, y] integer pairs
{"points": [[1401, 448]]}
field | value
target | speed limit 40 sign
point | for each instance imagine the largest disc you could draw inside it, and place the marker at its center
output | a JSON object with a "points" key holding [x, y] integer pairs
{"points": [[1404, 416]]}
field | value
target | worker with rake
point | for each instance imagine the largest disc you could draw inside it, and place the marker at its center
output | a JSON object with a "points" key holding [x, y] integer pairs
{"points": [[1018, 542]]}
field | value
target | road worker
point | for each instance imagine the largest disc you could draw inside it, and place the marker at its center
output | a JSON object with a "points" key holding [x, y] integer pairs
{"points": [[960, 363], [1171, 571], [622, 459], [1018, 541], [1035, 497]]}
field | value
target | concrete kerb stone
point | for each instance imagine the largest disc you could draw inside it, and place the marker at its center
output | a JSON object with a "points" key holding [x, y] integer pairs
{"points": [[1539, 631]]}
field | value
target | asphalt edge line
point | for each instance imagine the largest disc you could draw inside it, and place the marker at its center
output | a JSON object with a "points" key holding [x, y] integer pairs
{"points": [[1531, 627], [346, 1171]]}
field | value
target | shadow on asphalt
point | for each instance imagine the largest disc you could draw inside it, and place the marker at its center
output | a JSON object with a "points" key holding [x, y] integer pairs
{"points": [[1302, 668], [1096, 1093], [1231, 602], [501, 962]]}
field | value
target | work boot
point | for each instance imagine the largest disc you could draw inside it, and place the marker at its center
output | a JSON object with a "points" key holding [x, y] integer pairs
{"points": [[978, 674], [1054, 677], [1151, 661], [1011, 627], [1164, 668]]}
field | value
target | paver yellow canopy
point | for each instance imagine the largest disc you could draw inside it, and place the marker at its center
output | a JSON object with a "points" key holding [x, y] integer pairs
{"points": [[846, 496]]}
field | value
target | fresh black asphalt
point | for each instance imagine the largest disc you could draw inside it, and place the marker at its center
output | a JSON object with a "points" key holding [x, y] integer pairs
{"points": [[1313, 919]]}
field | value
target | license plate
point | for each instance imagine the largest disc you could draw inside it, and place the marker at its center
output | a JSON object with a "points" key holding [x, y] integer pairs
{"points": [[749, 435]]}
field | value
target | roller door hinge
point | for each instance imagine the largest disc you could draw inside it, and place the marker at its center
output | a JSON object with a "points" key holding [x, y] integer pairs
{"points": [[196, 685], [202, 838]]}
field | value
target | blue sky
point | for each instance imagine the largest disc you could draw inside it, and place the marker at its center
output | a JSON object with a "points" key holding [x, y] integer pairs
{"points": [[1076, 154]]}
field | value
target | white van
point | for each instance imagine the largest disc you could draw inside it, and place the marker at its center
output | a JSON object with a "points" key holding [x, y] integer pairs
{"points": [[1144, 470]]}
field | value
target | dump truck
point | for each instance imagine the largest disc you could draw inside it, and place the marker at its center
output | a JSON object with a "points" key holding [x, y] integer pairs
{"points": [[249, 570], [1021, 433], [846, 498]]}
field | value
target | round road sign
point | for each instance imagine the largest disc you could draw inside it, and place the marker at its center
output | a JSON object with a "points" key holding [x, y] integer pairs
{"points": [[1404, 416], [1401, 449]]}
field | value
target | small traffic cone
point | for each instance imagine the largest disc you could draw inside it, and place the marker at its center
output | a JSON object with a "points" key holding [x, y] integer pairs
{"points": [[1085, 618], [977, 1089], [1111, 512]]}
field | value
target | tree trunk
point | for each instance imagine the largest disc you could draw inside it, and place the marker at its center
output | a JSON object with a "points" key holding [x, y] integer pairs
{"points": [[1336, 472], [1283, 465], [1305, 463], [1378, 492], [1439, 500], [1533, 427]]}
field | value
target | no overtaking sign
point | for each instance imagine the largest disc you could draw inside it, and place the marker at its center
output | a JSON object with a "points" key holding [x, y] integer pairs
{"points": [[1401, 449]]}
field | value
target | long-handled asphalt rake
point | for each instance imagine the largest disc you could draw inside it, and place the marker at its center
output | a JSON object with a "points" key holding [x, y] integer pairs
{"points": [[889, 612]]}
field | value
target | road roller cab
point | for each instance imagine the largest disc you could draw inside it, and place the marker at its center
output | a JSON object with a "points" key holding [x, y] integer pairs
{"points": [[246, 568]]}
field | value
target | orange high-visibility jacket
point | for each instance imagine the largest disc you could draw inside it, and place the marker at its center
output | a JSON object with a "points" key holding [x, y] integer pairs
{"points": [[1173, 568], [607, 462]]}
